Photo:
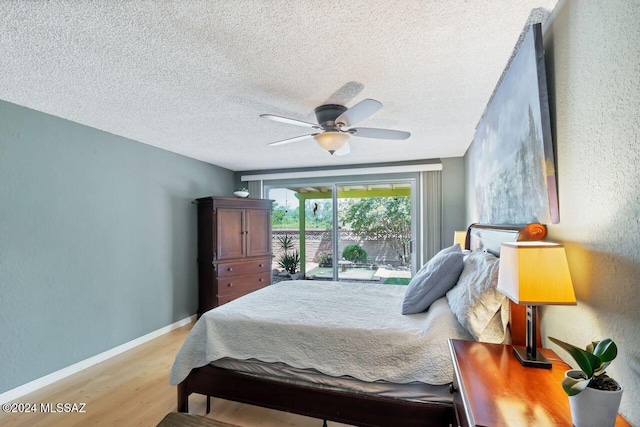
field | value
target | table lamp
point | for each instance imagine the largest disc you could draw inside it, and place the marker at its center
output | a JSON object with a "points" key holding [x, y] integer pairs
{"points": [[460, 237], [533, 274]]}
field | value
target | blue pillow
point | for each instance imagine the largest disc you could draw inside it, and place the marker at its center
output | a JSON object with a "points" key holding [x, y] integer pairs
{"points": [[451, 249], [433, 280]]}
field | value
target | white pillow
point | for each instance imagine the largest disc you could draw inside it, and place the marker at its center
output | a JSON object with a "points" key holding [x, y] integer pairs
{"points": [[496, 331], [475, 299]]}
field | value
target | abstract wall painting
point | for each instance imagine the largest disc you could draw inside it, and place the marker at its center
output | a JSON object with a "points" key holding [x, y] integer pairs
{"points": [[511, 156]]}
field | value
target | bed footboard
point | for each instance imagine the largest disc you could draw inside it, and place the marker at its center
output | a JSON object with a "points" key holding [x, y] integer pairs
{"points": [[340, 406]]}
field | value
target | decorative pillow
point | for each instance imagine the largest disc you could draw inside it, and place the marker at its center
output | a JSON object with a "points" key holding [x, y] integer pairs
{"points": [[433, 280], [451, 249], [475, 299]]}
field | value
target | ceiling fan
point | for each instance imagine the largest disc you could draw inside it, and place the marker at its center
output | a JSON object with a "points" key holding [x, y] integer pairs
{"points": [[334, 126]]}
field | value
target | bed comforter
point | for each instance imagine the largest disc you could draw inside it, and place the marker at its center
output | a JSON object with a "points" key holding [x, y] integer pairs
{"points": [[336, 328]]}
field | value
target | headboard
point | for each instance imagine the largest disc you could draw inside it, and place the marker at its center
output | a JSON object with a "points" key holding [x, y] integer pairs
{"points": [[489, 238]]}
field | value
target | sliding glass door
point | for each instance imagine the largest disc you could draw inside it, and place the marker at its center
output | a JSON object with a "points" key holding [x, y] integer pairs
{"points": [[374, 232], [302, 230], [317, 226], [355, 231]]}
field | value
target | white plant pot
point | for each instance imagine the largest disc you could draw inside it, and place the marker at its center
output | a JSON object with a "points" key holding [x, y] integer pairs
{"points": [[594, 408], [241, 193]]}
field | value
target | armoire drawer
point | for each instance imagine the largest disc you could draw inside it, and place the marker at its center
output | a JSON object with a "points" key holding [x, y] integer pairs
{"points": [[244, 267], [242, 284]]}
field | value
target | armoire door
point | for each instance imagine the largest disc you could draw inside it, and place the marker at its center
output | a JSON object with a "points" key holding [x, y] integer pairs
{"points": [[230, 227], [258, 232]]}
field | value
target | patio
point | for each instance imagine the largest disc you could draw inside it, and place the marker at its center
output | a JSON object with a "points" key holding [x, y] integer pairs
{"points": [[384, 275]]}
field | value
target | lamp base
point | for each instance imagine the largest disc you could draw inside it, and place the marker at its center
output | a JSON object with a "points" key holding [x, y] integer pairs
{"points": [[537, 361]]}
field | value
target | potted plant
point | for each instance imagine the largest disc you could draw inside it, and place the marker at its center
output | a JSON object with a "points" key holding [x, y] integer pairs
{"points": [[289, 261], [594, 397], [325, 259], [241, 192]]}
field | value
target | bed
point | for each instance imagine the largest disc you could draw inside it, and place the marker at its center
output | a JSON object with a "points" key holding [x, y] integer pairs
{"points": [[373, 395]]}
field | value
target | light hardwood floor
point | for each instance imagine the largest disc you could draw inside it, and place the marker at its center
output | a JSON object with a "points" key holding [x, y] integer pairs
{"points": [[132, 389]]}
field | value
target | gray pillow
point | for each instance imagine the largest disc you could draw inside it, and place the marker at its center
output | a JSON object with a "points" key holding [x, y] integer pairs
{"points": [[433, 280], [451, 249]]}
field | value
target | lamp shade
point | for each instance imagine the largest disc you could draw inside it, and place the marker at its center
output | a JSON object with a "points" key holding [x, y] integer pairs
{"points": [[460, 238], [332, 141], [535, 273]]}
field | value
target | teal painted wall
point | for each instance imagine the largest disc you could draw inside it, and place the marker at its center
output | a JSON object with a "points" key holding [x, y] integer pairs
{"points": [[453, 199], [97, 240]]}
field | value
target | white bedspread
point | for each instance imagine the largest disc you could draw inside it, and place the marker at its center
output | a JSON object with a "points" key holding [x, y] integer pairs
{"points": [[337, 328]]}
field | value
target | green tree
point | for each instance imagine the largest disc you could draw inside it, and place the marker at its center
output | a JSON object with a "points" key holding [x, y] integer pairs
{"points": [[281, 217], [380, 218], [277, 215]]}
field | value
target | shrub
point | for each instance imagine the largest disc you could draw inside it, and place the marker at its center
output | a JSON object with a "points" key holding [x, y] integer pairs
{"points": [[325, 259], [289, 261], [354, 253]]}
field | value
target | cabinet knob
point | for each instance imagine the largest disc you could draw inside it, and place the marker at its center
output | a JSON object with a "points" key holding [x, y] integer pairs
{"points": [[229, 284], [452, 389], [261, 279], [230, 269], [261, 265]]}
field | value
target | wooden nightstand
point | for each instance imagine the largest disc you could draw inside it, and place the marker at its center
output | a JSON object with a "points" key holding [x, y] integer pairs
{"points": [[491, 388]]}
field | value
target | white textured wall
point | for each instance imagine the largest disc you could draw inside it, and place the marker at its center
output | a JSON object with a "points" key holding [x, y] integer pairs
{"points": [[593, 63], [593, 70]]}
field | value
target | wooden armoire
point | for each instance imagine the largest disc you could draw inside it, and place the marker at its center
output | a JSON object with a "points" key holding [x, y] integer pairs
{"points": [[234, 249]]}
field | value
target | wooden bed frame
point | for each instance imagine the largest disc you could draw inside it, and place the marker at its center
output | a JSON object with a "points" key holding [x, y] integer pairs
{"points": [[350, 407]]}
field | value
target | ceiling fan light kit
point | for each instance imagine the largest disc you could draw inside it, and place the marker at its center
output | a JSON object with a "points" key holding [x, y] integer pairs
{"points": [[331, 141], [335, 122]]}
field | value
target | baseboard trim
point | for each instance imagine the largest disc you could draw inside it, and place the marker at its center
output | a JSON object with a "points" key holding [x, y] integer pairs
{"points": [[36, 384]]}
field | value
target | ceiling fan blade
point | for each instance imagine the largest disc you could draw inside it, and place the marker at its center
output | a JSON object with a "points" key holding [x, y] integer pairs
{"points": [[379, 133], [358, 112], [290, 121], [294, 139], [346, 93], [344, 150]]}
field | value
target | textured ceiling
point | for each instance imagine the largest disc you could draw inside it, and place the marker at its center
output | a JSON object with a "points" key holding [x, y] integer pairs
{"points": [[193, 76]]}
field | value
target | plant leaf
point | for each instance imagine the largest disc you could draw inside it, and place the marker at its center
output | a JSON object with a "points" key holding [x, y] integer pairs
{"points": [[600, 370], [606, 350], [591, 346], [586, 361], [573, 386]]}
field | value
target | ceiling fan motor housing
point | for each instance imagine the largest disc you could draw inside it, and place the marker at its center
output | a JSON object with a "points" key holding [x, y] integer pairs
{"points": [[327, 114]]}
